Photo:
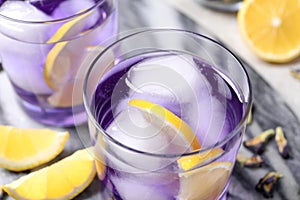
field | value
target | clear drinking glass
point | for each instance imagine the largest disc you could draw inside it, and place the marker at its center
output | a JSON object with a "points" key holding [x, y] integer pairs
{"points": [[44, 43], [166, 115]]}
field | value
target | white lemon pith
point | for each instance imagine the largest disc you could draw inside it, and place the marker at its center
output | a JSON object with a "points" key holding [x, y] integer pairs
{"points": [[271, 29], [23, 149], [62, 180]]}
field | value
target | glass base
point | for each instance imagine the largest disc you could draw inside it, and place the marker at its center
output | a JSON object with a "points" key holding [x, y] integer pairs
{"points": [[60, 117]]}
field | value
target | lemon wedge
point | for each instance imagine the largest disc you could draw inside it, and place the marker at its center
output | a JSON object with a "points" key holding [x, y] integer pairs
{"points": [[271, 29], [204, 183], [62, 180], [170, 118], [23, 149]]}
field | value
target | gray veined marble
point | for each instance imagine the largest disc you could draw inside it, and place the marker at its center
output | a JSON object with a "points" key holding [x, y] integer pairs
{"points": [[270, 111]]}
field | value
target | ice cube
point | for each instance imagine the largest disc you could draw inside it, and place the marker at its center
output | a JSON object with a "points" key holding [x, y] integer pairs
{"points": [[215, 126], [196, 94], [28, 32], [167, 77], [130, 188], [21, 54], [23, 62], [172, 81], [72, 7], [145, 132]]}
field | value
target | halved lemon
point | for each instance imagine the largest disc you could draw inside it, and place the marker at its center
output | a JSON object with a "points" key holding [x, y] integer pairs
{"points": [[62, 180], [170, 118], [271, 28], [204, 183], [23, 149]]}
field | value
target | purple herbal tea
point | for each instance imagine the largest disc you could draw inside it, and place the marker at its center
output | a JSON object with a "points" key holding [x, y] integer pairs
{"points": [[143, 151], [45, 44]]}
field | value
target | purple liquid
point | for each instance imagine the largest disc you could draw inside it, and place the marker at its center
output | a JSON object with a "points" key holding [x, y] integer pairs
{"points": [[47, 6], [29, 81], [164, 183]]}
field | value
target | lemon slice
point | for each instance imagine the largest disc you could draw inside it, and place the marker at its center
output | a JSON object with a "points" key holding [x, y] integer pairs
{"points": [[204, 183], [71, 28], [65, 96], [271, 29], [23, 149], [62, 180], [65, 57], [188, 162], [170, 118]]}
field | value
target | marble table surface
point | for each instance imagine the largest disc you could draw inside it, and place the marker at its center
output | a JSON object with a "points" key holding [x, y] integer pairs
{"points": [[275, 93]]}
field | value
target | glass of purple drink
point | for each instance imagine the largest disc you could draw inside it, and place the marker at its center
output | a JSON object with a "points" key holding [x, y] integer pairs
{"points": [[43, 45], [166, 116]]}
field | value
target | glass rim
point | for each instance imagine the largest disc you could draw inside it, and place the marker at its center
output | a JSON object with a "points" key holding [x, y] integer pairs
{"points": [[87, 10], [220, 143]]}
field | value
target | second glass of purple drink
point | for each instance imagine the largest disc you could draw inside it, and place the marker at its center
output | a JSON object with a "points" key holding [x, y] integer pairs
{"points": [[166, 115], [43, 45]]}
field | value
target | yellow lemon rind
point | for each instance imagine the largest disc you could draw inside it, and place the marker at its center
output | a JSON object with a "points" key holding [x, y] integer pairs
{"points": [[65, 28], [214, 165], [49, 64], [189, 162]]}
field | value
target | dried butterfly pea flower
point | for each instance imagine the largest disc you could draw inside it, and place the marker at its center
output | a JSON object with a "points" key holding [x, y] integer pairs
{"points": [[257, 144], [295, 73], [282, 143], [267, 184], [250, 119], [251, 162]]}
